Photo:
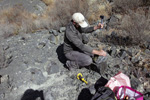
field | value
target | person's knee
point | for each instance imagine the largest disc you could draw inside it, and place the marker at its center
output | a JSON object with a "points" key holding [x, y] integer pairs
{"points": [[88, 61]]}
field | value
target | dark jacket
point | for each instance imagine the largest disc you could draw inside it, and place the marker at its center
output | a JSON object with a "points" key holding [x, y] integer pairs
{"points": [[73, 39]]}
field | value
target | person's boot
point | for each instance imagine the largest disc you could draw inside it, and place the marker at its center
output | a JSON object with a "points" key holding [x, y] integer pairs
{"points": [[71, 65]]}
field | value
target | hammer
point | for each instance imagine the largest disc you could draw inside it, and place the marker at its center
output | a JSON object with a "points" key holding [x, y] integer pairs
{"points": [[79, 77], [102, 17]]}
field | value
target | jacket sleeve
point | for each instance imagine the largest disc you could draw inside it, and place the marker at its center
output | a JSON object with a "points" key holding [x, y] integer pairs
{"points": [[78, 43], [87, 30]]}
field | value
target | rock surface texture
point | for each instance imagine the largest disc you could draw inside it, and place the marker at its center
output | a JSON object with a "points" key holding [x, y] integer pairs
{"points": [[35, 63], [32, 66]]}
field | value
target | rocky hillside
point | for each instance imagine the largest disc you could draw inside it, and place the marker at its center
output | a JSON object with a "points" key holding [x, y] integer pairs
{"points": [[32, 64], [35, 61]]}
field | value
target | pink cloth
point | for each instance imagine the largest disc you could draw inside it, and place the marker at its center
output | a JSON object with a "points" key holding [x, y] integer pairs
{"points": [[118, 80]]}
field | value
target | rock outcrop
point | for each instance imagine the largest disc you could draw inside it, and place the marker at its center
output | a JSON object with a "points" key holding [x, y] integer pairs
{"points": [[32, 65], [35, 64]]}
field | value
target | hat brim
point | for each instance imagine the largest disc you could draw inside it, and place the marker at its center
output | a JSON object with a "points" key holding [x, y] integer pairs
{"points": [[83, 24]]}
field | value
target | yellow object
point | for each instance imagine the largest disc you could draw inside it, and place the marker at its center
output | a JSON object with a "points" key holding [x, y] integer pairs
{"points": [[115, 97], [79, 77]]}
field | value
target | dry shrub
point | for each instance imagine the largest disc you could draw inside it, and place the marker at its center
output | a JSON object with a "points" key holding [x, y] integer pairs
{"points": [[123, 6], [62, 10], [15, 19], [146, 2], [48, 2], [136, 21], [135, 24], [98, 8]]}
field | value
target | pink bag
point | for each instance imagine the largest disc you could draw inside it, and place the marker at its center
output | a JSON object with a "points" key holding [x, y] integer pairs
{"points": [[127, 92], [118, 80]]}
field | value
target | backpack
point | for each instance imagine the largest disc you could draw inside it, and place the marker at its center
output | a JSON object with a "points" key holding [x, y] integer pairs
{"points": [[104, 93]]}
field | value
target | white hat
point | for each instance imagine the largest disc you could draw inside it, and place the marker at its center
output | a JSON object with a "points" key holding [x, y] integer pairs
{"points": [[79, 18]]}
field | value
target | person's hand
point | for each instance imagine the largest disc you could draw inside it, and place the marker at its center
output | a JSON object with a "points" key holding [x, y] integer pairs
{"points": [[99, 26], [100, 53]]}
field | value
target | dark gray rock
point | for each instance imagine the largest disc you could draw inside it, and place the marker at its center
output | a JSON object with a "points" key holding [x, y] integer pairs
{"points": [[37, 76], [134, 82], [113, 51], [132, 51], [2, 96], [135, 59], [123, 54], [147, 51], [54, 32], [41, 45], [92, 89], [52, 68], [110, 0], [148, 47], [53, 39], [5, 85], [62, 29]]}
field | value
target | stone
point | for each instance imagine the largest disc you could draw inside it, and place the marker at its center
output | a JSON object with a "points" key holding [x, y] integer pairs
{"points": [[41, 45], [147, 51], [62, 29], [134, 82], [140, 88], [110, 0], [136, 58], [2, 96], [122, 54], [148, 47], [147, 85], [47, 95], [52, 68], [37, 76], [53, 39], [54, 32], [147, 75], [4, 78], [92, 89], [114, 51]]}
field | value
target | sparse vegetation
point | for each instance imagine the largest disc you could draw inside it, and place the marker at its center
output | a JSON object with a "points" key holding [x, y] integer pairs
{"points": [[98, 8], [62, 10], [48, 2], [123, 6], [135, 21], [135, 24], [14, 20]]}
